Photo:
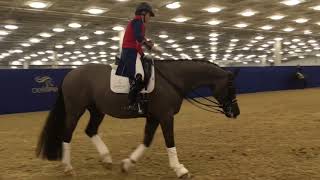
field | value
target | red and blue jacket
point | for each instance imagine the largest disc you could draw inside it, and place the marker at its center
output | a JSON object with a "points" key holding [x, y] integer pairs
{"points": [[131, 46], [134, 35]]}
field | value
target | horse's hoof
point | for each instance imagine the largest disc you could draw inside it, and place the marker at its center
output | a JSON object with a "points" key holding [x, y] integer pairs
{"points": [[69, 172], [186, 176], [125, 165], [107, 165]]}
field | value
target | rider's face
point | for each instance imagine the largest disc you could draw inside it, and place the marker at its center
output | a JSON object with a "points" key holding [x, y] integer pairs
{"points": [[147, 17]]}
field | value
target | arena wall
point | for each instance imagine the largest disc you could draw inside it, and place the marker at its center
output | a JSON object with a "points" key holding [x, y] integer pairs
{"points": [[35, 89]]}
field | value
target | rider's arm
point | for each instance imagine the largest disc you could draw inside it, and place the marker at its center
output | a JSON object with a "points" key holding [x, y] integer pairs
{"points": [[138, 30]]}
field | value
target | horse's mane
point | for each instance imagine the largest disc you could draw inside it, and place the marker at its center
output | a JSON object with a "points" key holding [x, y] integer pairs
{"points": [[204, 61]]}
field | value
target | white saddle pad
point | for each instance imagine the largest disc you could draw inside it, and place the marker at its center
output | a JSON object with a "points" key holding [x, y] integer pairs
{"points": [[120, 84]]}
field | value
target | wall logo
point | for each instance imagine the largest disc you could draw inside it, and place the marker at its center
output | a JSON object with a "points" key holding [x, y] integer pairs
{"points": [[47, 85]]}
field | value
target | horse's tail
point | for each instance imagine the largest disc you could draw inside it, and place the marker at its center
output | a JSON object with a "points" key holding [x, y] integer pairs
{"points": [[50, 141]]}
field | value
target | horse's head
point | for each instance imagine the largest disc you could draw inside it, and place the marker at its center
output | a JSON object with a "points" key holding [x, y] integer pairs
{"points": [[225, 93]]}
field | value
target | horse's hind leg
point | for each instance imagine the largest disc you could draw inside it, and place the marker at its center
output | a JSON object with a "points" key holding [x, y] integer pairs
{"points": [[72, 118], [96, 118]]}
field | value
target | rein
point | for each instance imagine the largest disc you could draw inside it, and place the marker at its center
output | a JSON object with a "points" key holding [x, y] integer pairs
{"points": [[212, 107]]}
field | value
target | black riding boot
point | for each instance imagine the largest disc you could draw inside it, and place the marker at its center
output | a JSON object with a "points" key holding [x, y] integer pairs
{"points": [[134, 102]]}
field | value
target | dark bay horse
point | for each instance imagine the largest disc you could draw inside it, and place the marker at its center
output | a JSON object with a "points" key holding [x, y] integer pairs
{"points": [[88, 88]]}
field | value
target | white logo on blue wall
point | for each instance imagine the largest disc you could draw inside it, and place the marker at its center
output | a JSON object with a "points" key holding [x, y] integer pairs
{"points": [[47, 85]]}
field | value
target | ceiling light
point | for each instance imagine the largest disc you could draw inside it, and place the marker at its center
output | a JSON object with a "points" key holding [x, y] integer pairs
{"points": [[214, 22], [37, 63], [16, 63], [88, 46], [288, 29], [248, 13], [292, 2], [307, 32], [175, 45], [96, 11], [41, 52], [277, 17], [11, 27], [287, 43], [34, 40], [59, 46], [195, 47], [174, 5], [18, 51], [278, 39], [34, 55], [312, 41], [241, 25], [58, 29], [266, 27], [49, 51], [317, 8], [25, 44], [190, 37], [213, 43], [84, 38], [3, 33], [44, 59], [77, 52], [234, 40], [70, 42], [65, 59], [75, 25], [118, 28], [115, 38], [114, 47], [181, 19], [99, 32], [214, 34], [46, 35], [296, 40], [170, 41], [259, 37], [213, 9], [301, 20], [38, 4], [163, 36], [101, 43]]}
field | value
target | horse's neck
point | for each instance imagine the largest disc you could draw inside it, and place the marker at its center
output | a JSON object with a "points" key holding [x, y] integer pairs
{"points": [[189, 75]]}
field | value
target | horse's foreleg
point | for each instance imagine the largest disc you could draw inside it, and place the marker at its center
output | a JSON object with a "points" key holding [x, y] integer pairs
{"points": [[168, 133], [150, 129]]}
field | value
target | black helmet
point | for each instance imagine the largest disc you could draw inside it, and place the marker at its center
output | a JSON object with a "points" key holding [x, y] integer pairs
{"points": [[144, 7]]}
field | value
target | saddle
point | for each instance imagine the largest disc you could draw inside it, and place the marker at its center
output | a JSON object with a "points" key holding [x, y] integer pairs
{"points": [[121, 84]]}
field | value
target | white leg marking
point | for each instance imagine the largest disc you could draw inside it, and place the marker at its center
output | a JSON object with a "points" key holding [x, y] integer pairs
{"points": [[66, 158], [102, 149], [174, 162], [134, 157]]}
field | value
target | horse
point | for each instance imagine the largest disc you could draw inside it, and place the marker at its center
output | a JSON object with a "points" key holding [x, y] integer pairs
{"points": [[88, 88]]}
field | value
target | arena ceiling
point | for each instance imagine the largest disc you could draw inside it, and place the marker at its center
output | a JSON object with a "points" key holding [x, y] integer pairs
{"points": [[76, 32]]}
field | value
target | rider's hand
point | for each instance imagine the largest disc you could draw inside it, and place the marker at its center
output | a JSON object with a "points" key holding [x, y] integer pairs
{"points": [[149, 45]]}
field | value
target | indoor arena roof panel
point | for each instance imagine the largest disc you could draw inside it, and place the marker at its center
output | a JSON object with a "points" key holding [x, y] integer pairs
{"points": [[60, 13]]}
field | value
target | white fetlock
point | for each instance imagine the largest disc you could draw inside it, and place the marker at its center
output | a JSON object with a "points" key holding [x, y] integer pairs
{"points": [[180, 170], [106, 158], [68, 170], [126, 165], [106, 161]]}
